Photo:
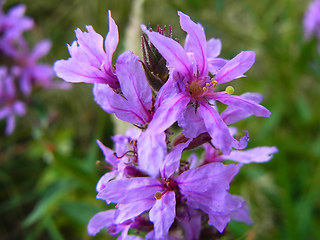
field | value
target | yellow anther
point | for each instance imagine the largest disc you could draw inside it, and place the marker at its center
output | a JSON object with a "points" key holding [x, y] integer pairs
{"points": [[204, 89], [229, 89], [207, 84], [158, 195], [214, 82]]}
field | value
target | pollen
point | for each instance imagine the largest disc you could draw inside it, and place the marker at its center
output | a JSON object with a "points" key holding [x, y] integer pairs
{"points": [[158, 195], [214, 82], [207, 84], [204, 89], [229, 89]]}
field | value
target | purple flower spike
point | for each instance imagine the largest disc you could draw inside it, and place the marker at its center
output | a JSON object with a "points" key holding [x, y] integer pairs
{"points": [[89, 62]]}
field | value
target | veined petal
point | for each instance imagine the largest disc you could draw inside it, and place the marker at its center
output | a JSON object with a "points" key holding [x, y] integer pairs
{"points": [[112, 38], [217, 129], [133, 82], [213, 48], [172, 160], [236, 67], [196, 42], [215, 64], [192, 124], [112, 102], [152, 149], [130, 210], [130, 190], [247, 106], [163, 214], [99, 221], [168, 112], [258, 155], [234, 114], [172, 51]]}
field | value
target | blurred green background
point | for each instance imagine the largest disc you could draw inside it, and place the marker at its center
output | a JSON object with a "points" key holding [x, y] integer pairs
{"points": [[47, 166]]}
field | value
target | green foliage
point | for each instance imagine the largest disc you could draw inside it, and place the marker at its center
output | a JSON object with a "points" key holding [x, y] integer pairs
{"points": [[48, 172]]}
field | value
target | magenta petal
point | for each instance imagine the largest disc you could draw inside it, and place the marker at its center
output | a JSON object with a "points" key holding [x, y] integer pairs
{"points": [[196, 42], [172, 51], [192, 124], [217, 129], [258, 155], [213, 48], [133, 209], [129, 190], [234, 114], [172, 160], [236, 67], [163, 214], [151, 151], [133, 83], [41, 49], [112, 102], [112, 38], [215, 64], [99, 221], [168, 112], [247, 106]]}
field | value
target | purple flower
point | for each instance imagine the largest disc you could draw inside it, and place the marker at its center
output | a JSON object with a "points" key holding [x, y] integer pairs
{"points": [[10, 106], [89, 62], [204, 188], [195, 88], [311, 21]]}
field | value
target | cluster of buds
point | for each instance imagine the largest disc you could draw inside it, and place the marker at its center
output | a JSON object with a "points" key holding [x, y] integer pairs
{"points": [[20, 73], [161, 188]]}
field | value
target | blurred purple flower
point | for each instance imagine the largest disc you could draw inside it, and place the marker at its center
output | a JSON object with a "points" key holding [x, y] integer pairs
{"points": [[89, 61], [195, 88], [311, 20]]}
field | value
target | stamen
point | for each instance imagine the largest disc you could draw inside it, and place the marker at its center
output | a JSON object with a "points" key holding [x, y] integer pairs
{"points": [[207, 84], [214, 82], [229, 89], [158, 195], [204, 89], [99, 163], [126, 153]]}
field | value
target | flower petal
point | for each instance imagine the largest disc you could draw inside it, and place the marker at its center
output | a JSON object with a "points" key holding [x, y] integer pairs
{"points": [[100, 220], [236, 67], [163, 214], [258, 155], [247, 106], [172, 51], [217, 129], [234, 114], [195, 42], [129, 190], [112, 38], [168, 112], [172, 160], [133, 83], [112, 102], [152, 149], [213, 47]]}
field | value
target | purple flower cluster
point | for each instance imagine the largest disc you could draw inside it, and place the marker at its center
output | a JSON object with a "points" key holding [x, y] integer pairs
{"points": [[19, 71], [311, 21], [157, 186]]}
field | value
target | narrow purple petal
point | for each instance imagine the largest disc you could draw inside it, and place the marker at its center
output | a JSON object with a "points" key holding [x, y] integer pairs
{"points": [[219, 221], [192, 225], [247, 106], [41, 49], [217, 129], [133, 209], [163, 214], [236, 67], [168, 112], [172, 51], [129, 190], [172, 160], [242, 213], [108, 153], [133, 83], [99, 221], [152, 149], [112, 102], [112, 38], [196, 42], [215, 64], [234, 114], [107, 177], [257, 155], [213, 48]]}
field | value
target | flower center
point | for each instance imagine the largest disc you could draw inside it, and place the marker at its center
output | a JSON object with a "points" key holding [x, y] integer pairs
{"points": [[199, 87]]}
